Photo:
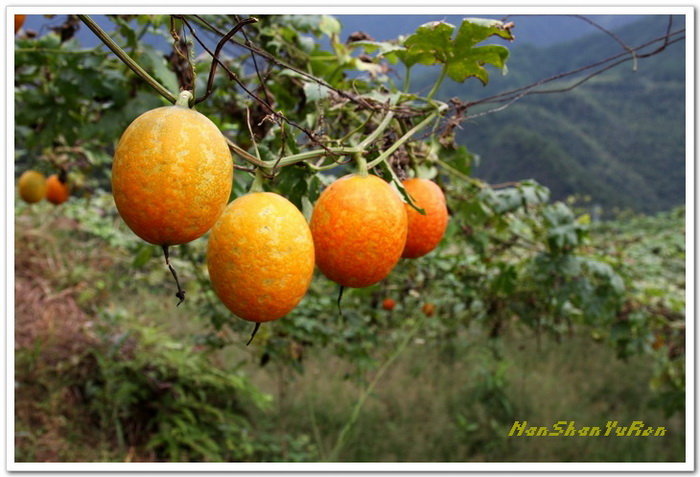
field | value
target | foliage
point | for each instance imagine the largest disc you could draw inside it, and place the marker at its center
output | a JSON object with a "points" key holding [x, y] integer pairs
{"points": [[303, 115], [649, 253], [148, 387]]}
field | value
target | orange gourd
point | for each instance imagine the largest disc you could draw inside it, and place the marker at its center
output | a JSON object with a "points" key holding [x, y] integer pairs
{"points": [[172, 174], [424, 231], [359, 230], [260, 257], [57, 192], [32, 186]]}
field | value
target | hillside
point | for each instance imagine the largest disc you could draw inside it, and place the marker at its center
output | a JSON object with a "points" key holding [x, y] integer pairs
{"points": [[619, 138]]}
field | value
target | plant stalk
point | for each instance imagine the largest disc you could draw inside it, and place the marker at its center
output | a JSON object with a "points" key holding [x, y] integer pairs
{"points": [[303, 156], [388, 152], [377, 132], [437, 84], [184, 99], [407, 80], [257, 185], [360, 402]]}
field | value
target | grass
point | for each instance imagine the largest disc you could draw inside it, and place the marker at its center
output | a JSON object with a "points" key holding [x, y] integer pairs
{"points": [[429, 409]]}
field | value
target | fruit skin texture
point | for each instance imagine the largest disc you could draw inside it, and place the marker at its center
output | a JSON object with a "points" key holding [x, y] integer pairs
{"points": [[359, 229], [32, 186], [172, 175], [57, 192], [260, 256], [388, 304], [424, 231], [19, 21]]}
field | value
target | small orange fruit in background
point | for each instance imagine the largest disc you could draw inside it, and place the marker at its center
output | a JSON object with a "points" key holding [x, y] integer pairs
{"points": [[424, 231], [260, 257], [359, 229], [172, 174], [388, 304], [32, 186], [57, 192], [428, 309], [19, 21]]}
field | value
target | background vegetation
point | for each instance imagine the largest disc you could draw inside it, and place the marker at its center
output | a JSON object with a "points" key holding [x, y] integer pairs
{"points": [[542, 312]]}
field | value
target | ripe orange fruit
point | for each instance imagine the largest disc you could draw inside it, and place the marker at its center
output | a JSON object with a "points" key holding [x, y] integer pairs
{"points": [[57, 192], [32, 186], [359, 230], [19, 21], [172, 175], [388, 304], [260, 256], [428, 309], [424, 231]]}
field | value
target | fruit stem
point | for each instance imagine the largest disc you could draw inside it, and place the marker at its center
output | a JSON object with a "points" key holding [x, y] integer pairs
{"points": [[180, 292], [122, 55], [361, 164], [257, 185], [340, 297], [184, 99], [255, 330]]}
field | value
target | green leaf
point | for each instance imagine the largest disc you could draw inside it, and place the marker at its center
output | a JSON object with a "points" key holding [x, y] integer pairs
{"points": [[433, 43], [476, 30], [383, 49], [429, 44], [329, 25], [154, 61], [399, 186], [315, 91], [469, 62], [459, 158], [433, 37]]}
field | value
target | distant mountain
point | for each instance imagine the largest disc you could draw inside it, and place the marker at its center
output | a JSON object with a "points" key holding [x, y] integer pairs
{"points": [[619, 138]]}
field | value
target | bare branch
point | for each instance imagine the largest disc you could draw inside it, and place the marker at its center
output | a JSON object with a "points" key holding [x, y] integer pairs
{"points": [[610, 34], [514, 95], [255, 64], [276, 61], [215, 62]]}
